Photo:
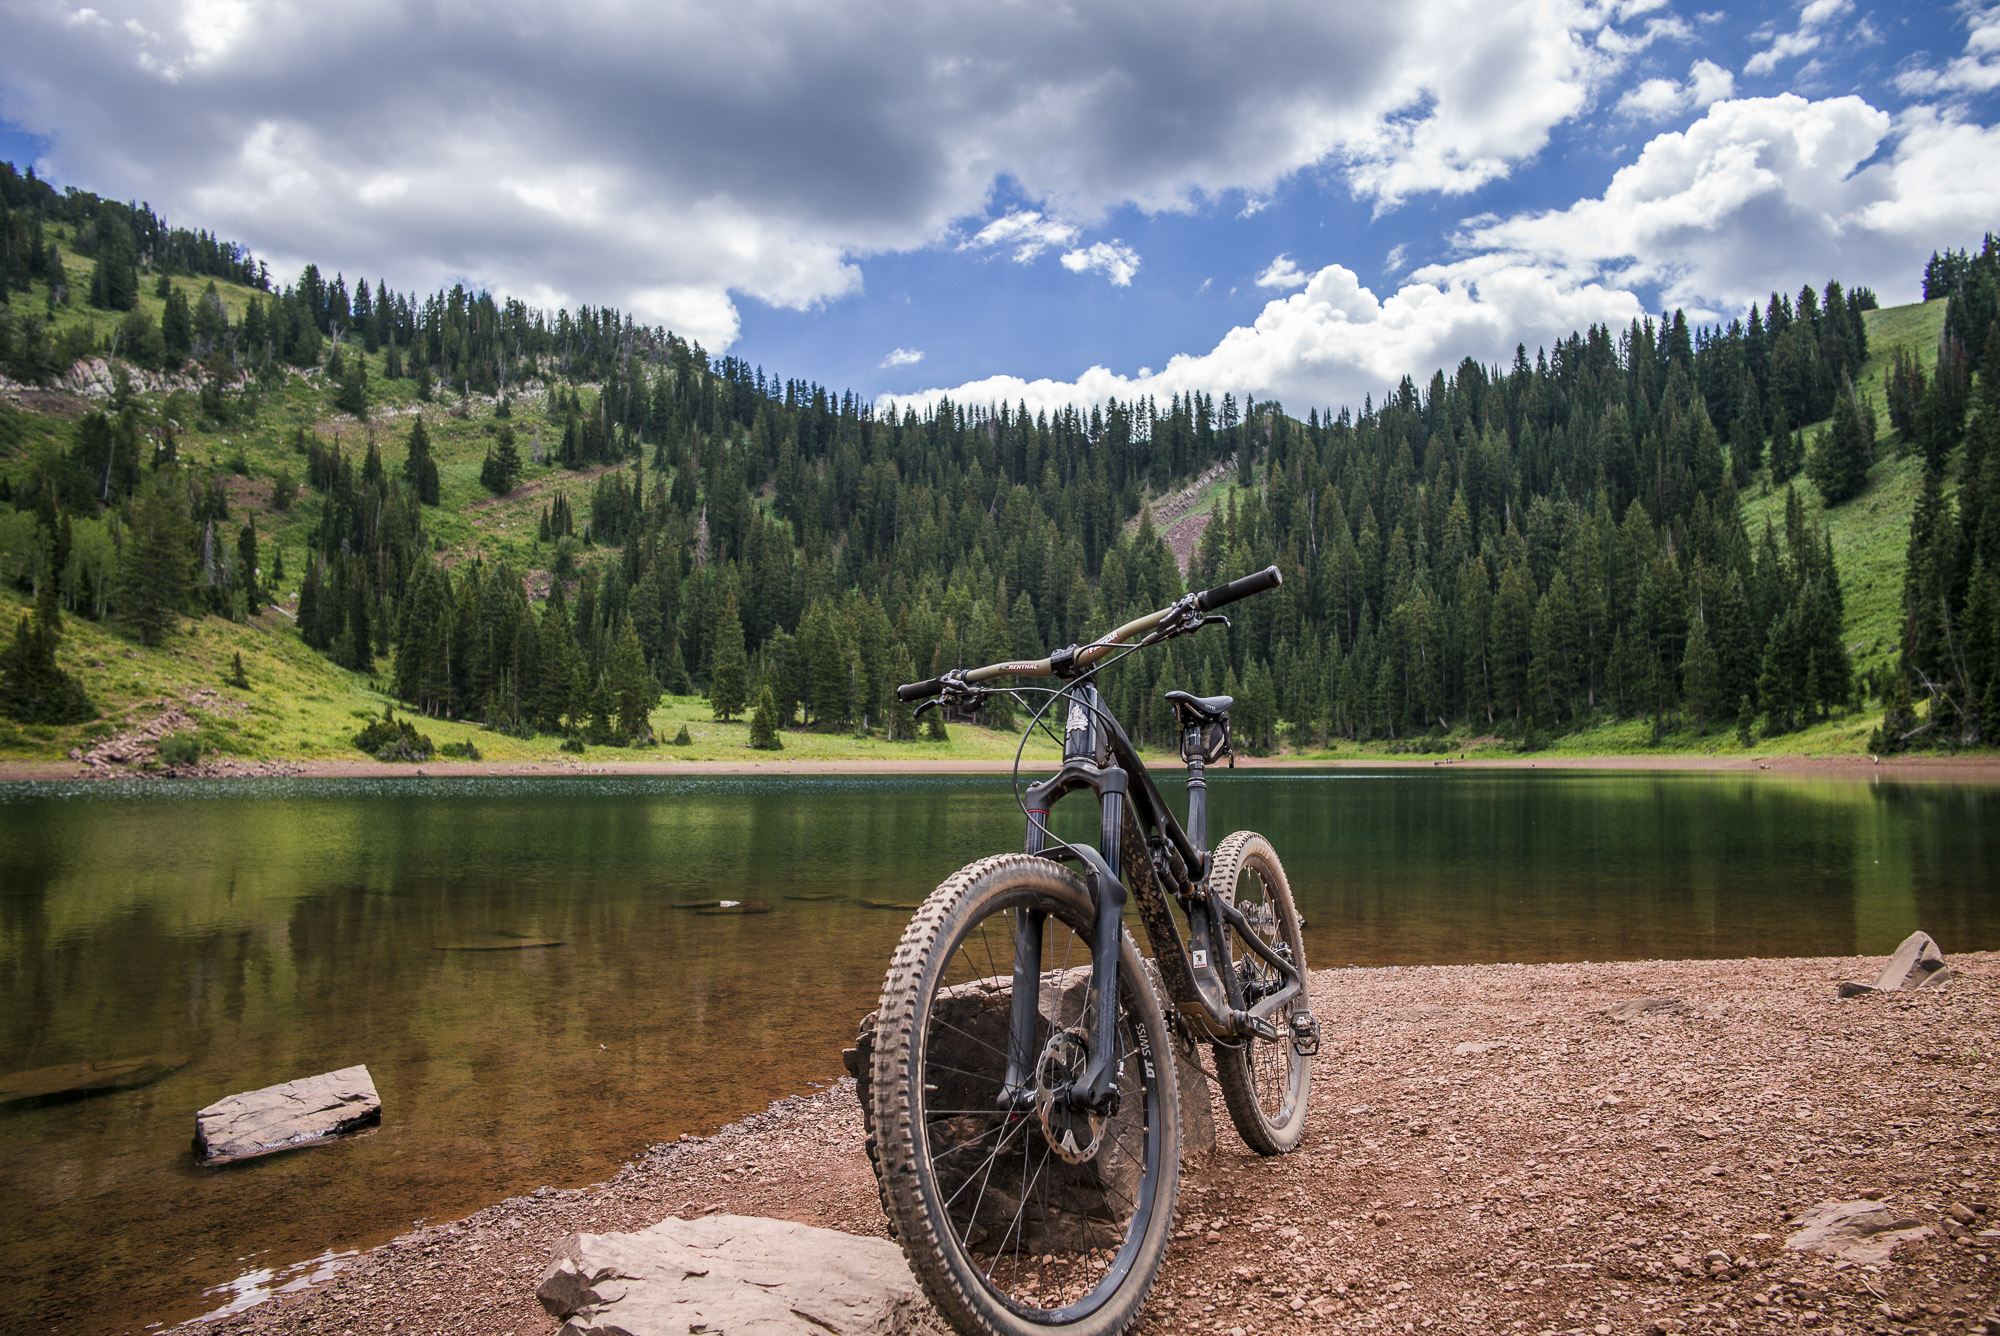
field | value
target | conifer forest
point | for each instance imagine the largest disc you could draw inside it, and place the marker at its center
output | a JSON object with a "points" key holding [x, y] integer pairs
{"points": [[1515, 551]]}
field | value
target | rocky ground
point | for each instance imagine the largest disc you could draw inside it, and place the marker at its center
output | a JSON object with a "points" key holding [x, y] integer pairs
{"points": [[1488, 1152]]}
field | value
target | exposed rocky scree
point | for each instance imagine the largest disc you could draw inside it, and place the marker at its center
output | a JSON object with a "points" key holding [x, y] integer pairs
{"points": [[1488, 1152]]}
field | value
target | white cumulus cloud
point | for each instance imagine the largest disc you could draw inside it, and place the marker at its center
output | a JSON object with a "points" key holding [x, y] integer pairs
{"points": [[1656, 99], [1114, 259], [1026, 230], [673, 159], [1814, 17], [903, 357], [1757, 193], [1976, 71], [1283, 272]]}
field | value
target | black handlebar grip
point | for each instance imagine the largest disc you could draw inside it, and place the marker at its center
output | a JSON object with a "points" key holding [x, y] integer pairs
{"points": [[919, 690], [1211, 599]]}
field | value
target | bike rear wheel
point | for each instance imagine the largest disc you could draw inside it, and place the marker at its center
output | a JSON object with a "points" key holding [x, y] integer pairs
{"points": [[1265, 1083], [1018, 1221]]}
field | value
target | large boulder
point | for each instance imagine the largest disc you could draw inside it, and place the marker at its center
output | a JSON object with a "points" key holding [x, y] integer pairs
{"points": [[732, 1274], [1078, 1205], [1917, 964], [298, 1113]]}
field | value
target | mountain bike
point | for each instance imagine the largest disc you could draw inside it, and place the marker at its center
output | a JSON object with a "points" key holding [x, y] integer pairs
{"points": [[1022, 1089]]}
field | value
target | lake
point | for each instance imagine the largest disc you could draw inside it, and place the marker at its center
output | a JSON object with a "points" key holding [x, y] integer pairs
{"points": [[524, 968]]}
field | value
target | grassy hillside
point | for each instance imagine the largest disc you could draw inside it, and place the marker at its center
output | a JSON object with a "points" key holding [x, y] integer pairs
{"points": [[1870, 531], [299, 706]]}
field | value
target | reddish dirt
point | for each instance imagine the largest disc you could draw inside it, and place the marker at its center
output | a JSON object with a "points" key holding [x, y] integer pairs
{"points": [[1487, 1152]]}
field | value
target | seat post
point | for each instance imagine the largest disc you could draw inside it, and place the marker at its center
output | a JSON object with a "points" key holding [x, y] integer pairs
{"points": [[1197, 783], [1197, 791]]}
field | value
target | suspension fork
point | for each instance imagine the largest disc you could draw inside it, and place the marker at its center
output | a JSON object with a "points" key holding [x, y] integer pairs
{"points": [[1096, 1091]]}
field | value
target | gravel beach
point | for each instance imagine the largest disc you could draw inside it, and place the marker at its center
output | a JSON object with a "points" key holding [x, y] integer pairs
{"points": [[1489, 1151]]}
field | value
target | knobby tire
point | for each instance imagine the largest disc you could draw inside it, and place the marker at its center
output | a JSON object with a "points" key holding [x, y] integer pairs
{"points": [[996, 1274]]}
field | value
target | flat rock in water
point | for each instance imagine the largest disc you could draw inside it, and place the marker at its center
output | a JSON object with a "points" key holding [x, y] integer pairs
{"points": [[1917, 964], [284, 1117], [731, 1274], [74, 1080], [1855, 1231]]}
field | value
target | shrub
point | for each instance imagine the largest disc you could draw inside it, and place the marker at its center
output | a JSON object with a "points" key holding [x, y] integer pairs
{"points": [[463, 751], [393, 739], [179, 749]]}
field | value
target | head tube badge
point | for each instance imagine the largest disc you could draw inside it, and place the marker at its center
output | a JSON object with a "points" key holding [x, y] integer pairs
{"points": [[1078, 721]]}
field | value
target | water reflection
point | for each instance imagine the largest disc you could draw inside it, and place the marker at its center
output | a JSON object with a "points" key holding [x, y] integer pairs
{"points": [[278, 929]]}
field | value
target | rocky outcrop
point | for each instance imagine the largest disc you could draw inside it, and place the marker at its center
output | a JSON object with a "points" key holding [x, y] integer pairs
{"points": [[731, 1273], [1854, 1231], [1917, 964], [299, 1113]]}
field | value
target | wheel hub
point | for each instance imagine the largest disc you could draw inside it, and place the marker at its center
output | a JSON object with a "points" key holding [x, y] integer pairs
{"points": [[1074, 1133]]}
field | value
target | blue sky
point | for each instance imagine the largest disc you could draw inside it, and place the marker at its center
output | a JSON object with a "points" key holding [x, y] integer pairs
{"points": [[1293, 200]]}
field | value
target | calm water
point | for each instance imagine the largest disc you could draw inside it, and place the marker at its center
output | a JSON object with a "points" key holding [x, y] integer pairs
{"points": [[271, 930]]}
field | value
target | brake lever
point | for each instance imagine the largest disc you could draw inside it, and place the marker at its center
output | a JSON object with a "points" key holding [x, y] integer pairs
{"points": [[1214, 617]]}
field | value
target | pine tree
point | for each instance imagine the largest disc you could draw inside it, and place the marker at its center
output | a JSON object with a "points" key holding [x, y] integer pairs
{"points": [[725, 679], [600, 732], [555, 651], [1701, 677], [177, 327], [419, 468], [1840, 457], [633, 687], [156, 577], [900, 723], [351, 396], [502, 468], [33, 689], [764, 722]]}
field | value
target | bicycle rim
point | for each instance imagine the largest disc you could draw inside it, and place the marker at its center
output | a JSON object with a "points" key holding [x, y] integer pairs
{"points": [[1038, 1218]]}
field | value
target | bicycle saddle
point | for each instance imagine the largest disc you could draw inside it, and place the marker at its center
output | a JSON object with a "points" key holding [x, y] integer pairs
{"points": [[1203, 708]]}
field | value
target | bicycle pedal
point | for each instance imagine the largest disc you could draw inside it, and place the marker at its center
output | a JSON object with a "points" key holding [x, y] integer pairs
{"points": [[1305, 1034]]}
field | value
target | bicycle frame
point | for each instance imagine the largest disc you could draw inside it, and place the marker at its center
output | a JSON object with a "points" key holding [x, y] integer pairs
{"points": [[1139, 838]]}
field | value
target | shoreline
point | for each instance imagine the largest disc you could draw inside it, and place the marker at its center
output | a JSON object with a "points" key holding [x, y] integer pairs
{"points": [[1982, 769], [1486, 1151]]}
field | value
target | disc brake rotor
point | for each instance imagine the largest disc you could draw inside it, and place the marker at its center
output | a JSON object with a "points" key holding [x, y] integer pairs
{"points": [[1074, 1134]]}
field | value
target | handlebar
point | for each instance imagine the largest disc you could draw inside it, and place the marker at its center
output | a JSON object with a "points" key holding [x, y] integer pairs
{"points": [[1211, 599], [1081, 660], [920, 690]]}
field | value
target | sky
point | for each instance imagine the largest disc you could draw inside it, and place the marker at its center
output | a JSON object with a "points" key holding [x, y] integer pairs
{"points": [[1053, 202]]}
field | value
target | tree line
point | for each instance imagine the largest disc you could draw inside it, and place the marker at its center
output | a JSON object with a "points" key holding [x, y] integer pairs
{"points": [[1522, 549]]}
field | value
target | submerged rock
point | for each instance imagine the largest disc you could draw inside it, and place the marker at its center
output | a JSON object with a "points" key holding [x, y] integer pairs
{"points": [[75, 1080], [1917, 964], [298, 1113], [728, 1273]]}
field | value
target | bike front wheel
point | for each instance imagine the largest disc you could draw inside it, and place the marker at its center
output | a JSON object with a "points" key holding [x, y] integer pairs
{"points": [[1265, 1083], [1020, 1218]]}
